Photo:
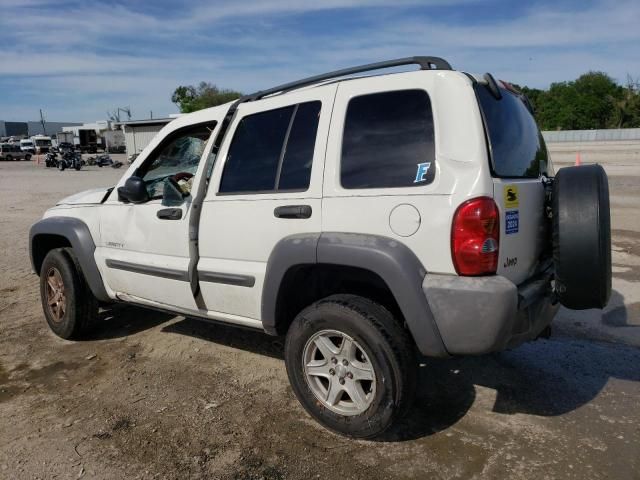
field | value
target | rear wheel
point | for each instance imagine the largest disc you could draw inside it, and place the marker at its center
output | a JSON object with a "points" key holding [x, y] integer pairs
{"points": [[69, 305], [351, 365], [9, 158], [27, 157]]}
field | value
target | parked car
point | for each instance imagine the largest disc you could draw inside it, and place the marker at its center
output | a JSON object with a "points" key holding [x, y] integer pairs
{"points": [[26, 145], [12, 151], [369, 221]]}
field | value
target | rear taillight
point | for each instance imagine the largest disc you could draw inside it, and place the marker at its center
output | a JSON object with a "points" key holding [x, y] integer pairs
{"points": [[475, 237]]}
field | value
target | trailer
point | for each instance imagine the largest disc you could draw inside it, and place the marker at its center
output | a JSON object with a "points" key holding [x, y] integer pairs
{"points": [[64, 137], [114, 141], [87, 141], [42, 143]]}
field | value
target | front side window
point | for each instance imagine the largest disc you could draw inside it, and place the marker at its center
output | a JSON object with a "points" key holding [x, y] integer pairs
{"points": [[272, 151], [388, 141], [176, 160]]}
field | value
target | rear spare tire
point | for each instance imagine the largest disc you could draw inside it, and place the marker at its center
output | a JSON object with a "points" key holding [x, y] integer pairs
{"points": [[582, 237]]}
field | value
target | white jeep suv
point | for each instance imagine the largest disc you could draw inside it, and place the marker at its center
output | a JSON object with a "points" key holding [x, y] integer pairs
{"points": [[368, 219]]}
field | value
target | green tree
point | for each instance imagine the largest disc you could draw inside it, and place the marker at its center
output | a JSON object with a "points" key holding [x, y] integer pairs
{"points": [[626, 107], [204, 95], [594, 100]]}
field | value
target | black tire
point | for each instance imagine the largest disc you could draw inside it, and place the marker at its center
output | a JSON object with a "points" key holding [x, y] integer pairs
{"points": [[80, 306], [62, 165], [390, 352], [27, 158], [8, 158], [582, 237]]}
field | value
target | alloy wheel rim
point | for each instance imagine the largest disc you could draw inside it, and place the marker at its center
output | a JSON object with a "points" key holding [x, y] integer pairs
{"points": [[56, 298], [339, 373]]}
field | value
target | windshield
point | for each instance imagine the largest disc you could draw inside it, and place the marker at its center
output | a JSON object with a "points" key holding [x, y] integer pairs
{"points": [[516, 144], [43, 143], [27, 144]]}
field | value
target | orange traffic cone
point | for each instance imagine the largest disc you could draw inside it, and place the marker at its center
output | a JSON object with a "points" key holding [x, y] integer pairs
{"points": [[578, 160]]}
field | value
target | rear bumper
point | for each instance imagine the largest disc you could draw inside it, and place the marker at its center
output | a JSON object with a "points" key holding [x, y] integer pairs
{"points": [[477, 315]]}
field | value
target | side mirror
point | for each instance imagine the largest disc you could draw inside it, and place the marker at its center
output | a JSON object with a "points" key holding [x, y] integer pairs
{"points": [[134, 191]]}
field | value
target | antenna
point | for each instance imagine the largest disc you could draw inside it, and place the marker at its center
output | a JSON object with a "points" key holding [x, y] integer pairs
{"points": [[115, 115]]}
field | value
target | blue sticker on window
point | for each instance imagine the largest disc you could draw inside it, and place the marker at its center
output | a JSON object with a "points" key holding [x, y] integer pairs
{"points": [[511, 217], [423, 168]]}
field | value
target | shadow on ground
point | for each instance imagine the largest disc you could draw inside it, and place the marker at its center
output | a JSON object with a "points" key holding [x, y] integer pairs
{"points": [[619, 314], [545, 378], [120, 320], [250, 340]]}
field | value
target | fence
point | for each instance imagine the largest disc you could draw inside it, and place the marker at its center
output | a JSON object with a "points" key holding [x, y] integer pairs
{"points": [[608, 135]]}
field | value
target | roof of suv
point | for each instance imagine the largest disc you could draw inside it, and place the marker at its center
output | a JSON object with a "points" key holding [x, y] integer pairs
{"points": [[425, 63]]}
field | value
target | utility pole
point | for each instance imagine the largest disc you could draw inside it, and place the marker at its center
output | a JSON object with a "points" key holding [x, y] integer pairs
{"points": [[44, 128]]}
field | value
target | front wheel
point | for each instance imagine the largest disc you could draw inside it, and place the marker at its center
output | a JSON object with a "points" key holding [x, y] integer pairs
{"points": [[27, 157], [351, 365], [62, 165], [70, 307]]}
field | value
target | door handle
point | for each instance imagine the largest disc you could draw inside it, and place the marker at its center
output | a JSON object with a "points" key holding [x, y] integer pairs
{"points": [[170, 214], [293, 211]]}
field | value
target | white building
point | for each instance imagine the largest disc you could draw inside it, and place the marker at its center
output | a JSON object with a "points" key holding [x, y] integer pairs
{"points": [[29, 129], [139, 133]]}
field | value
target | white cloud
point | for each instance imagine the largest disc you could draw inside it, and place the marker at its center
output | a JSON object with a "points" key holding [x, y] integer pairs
{"points": [[93, 56]]}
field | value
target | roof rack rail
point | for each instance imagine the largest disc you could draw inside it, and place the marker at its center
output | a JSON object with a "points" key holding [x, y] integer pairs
{"points": [[426, 63]]}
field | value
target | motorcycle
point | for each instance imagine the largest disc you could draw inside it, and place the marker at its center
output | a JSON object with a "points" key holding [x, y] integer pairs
{"points": [[106, 160], [51, 159], [103, 160], [70, 160]]}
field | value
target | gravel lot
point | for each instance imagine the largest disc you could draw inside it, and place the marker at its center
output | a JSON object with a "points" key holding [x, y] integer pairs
{"points": [[155, 396]]}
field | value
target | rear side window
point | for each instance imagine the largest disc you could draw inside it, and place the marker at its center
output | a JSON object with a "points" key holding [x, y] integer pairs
{"points": [[272, 151], [298, 157], [388, 141], [517, 146]]}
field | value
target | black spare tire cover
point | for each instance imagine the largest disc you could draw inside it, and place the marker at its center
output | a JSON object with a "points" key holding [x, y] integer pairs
{"points": [[582, 237]]}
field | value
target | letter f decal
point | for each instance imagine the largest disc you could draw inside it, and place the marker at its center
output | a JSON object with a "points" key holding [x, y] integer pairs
{"points": [[423, 168]]}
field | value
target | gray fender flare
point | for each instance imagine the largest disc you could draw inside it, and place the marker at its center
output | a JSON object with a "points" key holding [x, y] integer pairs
{"points": [[79, 236], [291, 251], [391, 260]]}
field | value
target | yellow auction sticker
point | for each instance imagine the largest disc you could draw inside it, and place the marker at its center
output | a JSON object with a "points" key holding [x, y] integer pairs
{"points": [[511, 199]]}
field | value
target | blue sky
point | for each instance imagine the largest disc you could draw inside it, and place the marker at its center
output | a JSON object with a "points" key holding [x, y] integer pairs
{"points": [[78, 59]]}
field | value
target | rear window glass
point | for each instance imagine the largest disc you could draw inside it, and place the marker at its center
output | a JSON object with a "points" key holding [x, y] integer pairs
{"points": [[388, 141], [517, 146]]}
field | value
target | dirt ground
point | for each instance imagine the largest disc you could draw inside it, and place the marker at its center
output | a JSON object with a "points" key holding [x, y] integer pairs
{"points": [[156, 396]]}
